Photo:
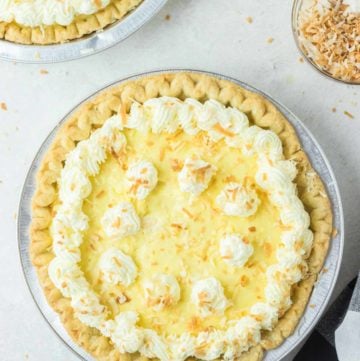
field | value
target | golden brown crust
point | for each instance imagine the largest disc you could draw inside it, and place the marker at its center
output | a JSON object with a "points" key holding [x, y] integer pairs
{"points": [[81, 26], [199, 86]]}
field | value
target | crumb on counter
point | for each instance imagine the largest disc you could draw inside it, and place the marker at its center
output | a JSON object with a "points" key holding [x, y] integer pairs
{"points": [[270, 40], [249, 20], [333, 110], [348, 114], [3, 106], [334, 232], [167, 17], [43, 71], [301, 59]]}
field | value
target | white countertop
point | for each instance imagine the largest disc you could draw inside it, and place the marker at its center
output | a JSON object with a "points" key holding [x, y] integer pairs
{"points": [[201, 34]]}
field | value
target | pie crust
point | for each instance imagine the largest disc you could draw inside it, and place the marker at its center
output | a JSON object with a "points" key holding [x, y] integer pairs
{"points": [[82, 25], [92, 115]]}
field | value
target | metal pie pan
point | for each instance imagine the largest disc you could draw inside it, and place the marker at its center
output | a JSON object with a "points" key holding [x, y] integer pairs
{"points": [[322, 289], [85, 46]]}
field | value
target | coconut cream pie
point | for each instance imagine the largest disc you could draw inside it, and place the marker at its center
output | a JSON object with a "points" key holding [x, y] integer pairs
{"points": [[177, 217], [53, 21]]}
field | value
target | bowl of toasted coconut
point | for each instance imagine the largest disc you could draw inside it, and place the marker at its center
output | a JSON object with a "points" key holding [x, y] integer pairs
{"points": [[327, 32]]}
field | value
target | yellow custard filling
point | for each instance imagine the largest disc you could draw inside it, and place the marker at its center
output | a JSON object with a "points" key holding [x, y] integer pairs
{"points": [[180, 233]]}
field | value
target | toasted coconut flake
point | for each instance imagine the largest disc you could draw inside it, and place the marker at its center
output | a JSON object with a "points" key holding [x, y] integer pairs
{"points": [[268, 249], [98, 4], [244, 281], [122, 113], [121, 158], [176, 225], [123, 298], [230, 179], [100, 194], [188, 213], [194, 324], [176, 165], [223, 131]]}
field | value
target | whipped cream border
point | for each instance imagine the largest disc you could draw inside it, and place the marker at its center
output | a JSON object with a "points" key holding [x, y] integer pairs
{"points": [[47, 12], [275, 176]]}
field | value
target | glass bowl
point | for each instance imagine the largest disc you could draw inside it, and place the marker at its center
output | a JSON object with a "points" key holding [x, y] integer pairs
{"points": [[298, 7]]}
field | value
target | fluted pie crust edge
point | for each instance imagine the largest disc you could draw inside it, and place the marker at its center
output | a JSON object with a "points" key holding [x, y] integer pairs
{"points": [[92, 115], [81, 26]]}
